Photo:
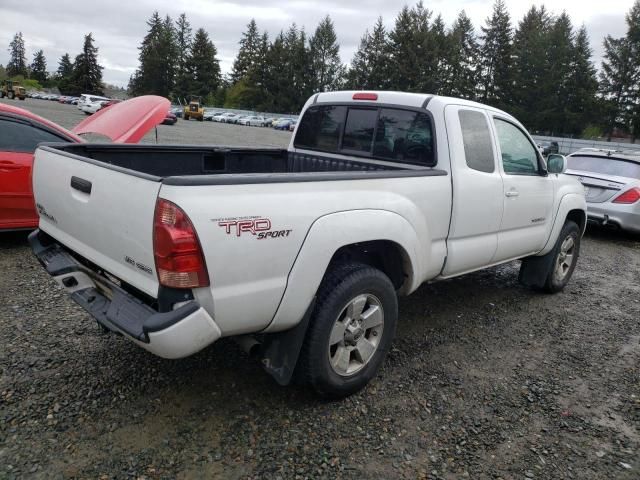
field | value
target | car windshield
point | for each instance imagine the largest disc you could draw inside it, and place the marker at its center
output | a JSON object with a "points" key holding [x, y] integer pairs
{"points": [[605, 166]]}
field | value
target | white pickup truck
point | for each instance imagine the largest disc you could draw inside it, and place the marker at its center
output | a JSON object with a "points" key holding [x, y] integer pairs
{"points": [[303, 250]]}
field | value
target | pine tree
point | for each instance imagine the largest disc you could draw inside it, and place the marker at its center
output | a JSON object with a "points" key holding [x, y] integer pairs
{"points": [[615, 78], [65, 67], [553, 95], [248, 53], [369, 65], [495, 57], [529, 67], [581, 96], [183, 48], [158, 58], [17, 57], [87, 73], [633, 88], [461, 80], [404, 58], [324, 52], [39, 67], [203, 65]]}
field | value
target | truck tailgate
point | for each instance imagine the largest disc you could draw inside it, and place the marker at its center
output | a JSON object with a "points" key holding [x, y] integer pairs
{"points": [[103, 214]]}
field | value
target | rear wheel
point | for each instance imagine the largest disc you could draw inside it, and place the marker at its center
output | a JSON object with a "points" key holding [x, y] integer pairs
{"points": [[352, 326], [11, 95], [186, 117]]}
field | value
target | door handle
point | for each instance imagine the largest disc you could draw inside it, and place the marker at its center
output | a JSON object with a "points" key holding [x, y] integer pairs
{"points": [[8, 166], [511, 193], [81, 185]]}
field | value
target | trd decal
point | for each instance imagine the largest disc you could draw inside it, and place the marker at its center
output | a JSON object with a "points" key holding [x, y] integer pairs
{"points": [[257, 226]]}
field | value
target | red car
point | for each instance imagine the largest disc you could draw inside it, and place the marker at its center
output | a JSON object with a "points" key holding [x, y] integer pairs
{"points": [[21, 131]]}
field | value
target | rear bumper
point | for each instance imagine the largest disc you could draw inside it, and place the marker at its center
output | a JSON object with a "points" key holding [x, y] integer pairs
{"points": [[174, 334], [626, 217]]}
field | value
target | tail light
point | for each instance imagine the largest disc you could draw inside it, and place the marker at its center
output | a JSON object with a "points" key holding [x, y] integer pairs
{"points": [[628, 197], [365, 96], [176, 249]]}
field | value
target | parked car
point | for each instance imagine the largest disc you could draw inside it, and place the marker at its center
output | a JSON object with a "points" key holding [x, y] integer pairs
{"points": [[548, 148], [208, 114], [242, 119], [21, 131], [268, 122], [176, 110], [365, 203], [86, 99], [283, 124], [292, 126], [253, 121], [108, 103], [226, 117], [611, 182], [92, 107], [170, 119]]}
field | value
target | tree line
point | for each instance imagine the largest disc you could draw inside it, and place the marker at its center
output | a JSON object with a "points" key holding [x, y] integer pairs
{"points": [[540, 69], [82, 75]]}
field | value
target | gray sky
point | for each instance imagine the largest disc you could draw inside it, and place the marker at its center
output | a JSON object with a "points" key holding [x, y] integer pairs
{"points": [[58, 26]]}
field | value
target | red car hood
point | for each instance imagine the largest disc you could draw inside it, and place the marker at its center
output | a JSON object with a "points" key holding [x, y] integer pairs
{"points": [[126, 122]]}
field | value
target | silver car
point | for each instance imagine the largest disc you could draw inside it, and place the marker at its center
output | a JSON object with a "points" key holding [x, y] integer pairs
{"points": [[611, 181]]}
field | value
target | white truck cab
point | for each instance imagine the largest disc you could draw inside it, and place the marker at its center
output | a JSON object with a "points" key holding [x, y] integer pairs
{"points": [[304, 249]]}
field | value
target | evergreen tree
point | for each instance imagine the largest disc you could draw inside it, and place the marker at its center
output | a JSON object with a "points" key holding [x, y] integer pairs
{"points": [[17, 57], [158, 58], [461, 80], [495, 57], [39, 67], [324, 52], [530, 67], [555, 88], [183, 49], [250, 47], [65, 67], [633, 88], [87, 73], [581, 96], [369, 65], [203, 65]]}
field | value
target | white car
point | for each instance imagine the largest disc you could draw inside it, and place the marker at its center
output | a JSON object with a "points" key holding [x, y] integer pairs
{"points": [[92, 107], [226, 117], [86, 99], [301, 252], [252, 121]]}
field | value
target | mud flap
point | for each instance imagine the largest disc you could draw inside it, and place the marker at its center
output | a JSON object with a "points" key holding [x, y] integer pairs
{"points": [[534, 271], [280, 351]]}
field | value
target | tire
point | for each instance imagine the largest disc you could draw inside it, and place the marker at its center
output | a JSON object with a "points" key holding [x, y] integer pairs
{"points": [[186, 117], [554, 270], [340, 369], [11, 95]]}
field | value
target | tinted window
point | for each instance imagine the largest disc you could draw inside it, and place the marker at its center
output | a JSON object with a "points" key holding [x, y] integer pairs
{"points": [[477, 141], [404, 136], [519, 156], [320, 128], [358, 132], [606, 166], [20, 137]]}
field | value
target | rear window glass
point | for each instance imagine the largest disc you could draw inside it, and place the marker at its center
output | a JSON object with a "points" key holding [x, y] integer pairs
{"points": [[405, 136], [19, 137], [477, 141], [359, 129], [605, 166], [320, 128]]}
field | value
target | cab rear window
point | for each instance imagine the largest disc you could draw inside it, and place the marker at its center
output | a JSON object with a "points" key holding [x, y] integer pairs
{"points": [[384, 133]]}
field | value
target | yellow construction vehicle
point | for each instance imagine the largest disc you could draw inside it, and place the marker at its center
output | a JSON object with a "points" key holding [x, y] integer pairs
{"points": [[11, 90], [194, 109]]}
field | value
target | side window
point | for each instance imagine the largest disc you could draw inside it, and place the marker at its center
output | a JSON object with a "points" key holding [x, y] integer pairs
{"points": [[359, 129], [476, 137], [519, 156], [320, 128], [405, 136], [21, 137]]}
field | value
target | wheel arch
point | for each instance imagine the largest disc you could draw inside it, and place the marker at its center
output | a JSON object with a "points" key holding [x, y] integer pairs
{"points": [[379, 239], [572, 206]]}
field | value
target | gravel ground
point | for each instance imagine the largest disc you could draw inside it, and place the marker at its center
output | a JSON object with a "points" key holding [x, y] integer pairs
{"points": [[486, 380]]}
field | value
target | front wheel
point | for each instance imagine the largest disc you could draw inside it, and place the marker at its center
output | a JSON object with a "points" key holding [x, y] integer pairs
{"points": [[11, 95], [351, 330]]}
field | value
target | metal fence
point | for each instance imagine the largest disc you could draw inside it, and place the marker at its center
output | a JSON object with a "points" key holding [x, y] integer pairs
{"points": [[570, 145]]}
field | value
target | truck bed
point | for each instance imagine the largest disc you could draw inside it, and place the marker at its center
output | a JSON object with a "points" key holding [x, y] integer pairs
{"points": [[201, 165]]}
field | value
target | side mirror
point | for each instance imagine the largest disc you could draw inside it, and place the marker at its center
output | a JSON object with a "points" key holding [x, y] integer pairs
{"points": [[556, 163]]}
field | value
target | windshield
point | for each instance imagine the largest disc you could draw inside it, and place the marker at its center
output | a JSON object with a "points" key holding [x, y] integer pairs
{"points": [[605, 166]]}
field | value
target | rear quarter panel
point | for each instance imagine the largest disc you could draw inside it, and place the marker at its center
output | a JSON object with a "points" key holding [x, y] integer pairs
{"points": [[249, 275]]}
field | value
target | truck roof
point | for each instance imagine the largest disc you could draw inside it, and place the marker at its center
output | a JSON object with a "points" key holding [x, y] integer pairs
{"points": [[416, 100]]}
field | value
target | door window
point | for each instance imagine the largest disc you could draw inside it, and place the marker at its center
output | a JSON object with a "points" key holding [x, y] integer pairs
{"points": [[22, 137], [476, 137], [519, 156]]}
